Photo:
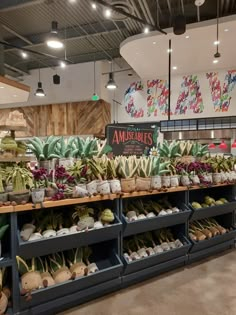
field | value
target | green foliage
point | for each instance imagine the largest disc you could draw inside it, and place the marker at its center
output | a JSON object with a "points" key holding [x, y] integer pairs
{"points": [[44, 150]]}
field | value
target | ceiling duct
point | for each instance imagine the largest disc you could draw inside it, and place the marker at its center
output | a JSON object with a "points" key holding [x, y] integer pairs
{"points": [[122, 5]]}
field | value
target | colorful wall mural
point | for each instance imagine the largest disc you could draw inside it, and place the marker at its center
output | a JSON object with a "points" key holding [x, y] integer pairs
{"points": [[196, 95]]}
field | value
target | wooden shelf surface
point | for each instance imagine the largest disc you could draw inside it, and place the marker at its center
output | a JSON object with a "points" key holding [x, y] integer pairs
{"points": [[16, 159], [212, 186], [154, 192], [6, 209]]}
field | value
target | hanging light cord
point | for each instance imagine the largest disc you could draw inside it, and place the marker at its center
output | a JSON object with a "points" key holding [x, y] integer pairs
{"points": [[39, 75], [217, 25], [94, 78]]}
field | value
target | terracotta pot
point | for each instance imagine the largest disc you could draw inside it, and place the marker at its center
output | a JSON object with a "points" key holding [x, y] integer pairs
{"points": [[19, 197], [216, 177], [37, 195], [92, 187], [3, 197], [165, 181], [185, 181], [143, 184], [115, 186], [128, 185], [156, 182], [174, 181], [103, 187]]}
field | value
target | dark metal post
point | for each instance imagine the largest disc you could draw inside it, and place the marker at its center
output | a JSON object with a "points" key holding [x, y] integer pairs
{"points": [[169, 78]]}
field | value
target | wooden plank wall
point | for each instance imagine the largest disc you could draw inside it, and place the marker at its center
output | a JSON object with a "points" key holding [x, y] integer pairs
{"points": [[77, 118]]}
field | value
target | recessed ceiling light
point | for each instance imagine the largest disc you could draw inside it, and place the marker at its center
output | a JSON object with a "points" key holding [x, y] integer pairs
{"points": [[14, 95], [215, 61], [24, 55], [217, 42], [107, 13], [174, 68], [154, 43], [72, 1], [187, 36], [169, 51], [94, 6], [62, 64], [146, 30], [226, 29], [2, 87]]}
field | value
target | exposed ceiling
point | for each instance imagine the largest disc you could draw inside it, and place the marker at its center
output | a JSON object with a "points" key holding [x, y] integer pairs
{"points": [[148, 55], [89, 35], [12, 91]]}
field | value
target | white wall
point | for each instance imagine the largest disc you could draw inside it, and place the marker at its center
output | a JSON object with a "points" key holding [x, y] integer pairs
{"points": [[76, 84], [140, 98]]}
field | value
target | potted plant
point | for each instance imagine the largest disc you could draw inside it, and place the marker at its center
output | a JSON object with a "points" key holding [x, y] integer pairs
{"points": [[64, 150], [43, 268], [85, 215], [45, 151], [158, 169], [3, 228], [174, 178], [127, 170], [21, 179], [3, 194], [75, 260], [143, 180], [40, 183], [216, 164], [99, 170], [112, 176], [58, 268]]}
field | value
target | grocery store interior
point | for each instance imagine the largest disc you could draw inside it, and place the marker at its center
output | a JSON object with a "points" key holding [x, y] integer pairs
{"points": [[117, 157]]}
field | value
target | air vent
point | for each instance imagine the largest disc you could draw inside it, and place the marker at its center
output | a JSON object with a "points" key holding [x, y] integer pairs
{"points": [[122, 5]]}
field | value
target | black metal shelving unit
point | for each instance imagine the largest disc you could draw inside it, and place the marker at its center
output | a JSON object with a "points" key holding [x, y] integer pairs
{"points": [[114, 271]]}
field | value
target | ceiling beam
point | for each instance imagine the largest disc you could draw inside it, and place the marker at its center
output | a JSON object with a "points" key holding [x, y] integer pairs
{"points": [[8, 5], [8, 29]]}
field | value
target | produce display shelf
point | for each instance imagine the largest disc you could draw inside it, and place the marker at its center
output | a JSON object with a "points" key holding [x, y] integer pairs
{"points": [[210, 251], [109, 269], [74, 299], [154, 192], [141, 264], [207, 212], [5, 262], [206, 244], [153, 271], [212, 186], [64, 202], [45, 246], [144, 225], [6, 209]]}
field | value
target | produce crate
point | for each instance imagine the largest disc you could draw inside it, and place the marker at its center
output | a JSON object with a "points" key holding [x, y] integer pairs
{"points": [[109, 268], [28, 249], [149, 224], [205, 244], [207, 212], [134, 266], [194, 256]]}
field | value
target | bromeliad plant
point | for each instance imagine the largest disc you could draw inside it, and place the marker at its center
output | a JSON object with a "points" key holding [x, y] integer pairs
{"points": [[44, 150], [40, 178]]}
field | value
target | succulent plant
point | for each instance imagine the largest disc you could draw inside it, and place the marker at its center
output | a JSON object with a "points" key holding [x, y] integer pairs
{"points": [[128, 166], [20, 177], [84, 148], [169, 150], [158, 167], [64, 149]]}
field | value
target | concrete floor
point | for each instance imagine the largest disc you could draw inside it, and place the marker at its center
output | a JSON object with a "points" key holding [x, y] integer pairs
{"points": [[204, 288]]}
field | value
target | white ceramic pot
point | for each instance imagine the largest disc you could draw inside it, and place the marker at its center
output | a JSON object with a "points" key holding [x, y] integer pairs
{"points": [[92, 187], [174, 181], [103, 187], [216, 177], [165, 181], [210, 179], [223, 177], [73, 229], [195, 179], [156, 182], [79, 192], [233, 174], [66, 162], [35, 237], [64, 231], [38, 195], [115, 186], [185, 181]]}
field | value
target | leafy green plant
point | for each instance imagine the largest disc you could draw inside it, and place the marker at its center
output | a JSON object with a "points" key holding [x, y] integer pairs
{"points": [[85, 148], [128, 166], [64, 149], [145, 167], [169, 150], [158, 167], [44, 150], [2, 179], [199, 150], [20, 177]]}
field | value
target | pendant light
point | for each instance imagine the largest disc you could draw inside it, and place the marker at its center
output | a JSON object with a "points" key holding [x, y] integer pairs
{"points": [[211, 146], [217, 54], [179, 26], [39, 91], [234, 144], [223, 145], [95, 97], [111, 85], [53, 40]]}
